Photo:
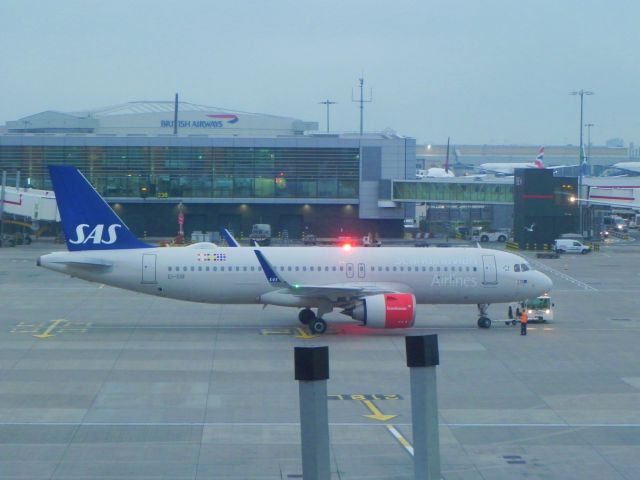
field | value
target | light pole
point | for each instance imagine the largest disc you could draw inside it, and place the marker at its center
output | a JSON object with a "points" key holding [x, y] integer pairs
{"points": [[327, 103], [589, 125], [583, 165]]}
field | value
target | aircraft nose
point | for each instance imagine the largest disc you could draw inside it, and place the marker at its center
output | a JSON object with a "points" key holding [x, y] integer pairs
{"points": [[544, 282]]}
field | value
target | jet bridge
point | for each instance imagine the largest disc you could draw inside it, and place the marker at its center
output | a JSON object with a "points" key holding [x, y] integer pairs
{"points": [[36, 205]]}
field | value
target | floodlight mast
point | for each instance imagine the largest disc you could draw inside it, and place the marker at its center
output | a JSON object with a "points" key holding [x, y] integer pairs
{"points": [[327, 102], [582, 160]]}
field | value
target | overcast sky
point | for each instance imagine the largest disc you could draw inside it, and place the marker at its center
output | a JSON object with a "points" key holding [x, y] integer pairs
{"points": [[480, 71]]}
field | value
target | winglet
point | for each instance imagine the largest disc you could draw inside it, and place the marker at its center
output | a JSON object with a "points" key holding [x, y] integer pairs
{"points": [[269, 271], [231, 241]]}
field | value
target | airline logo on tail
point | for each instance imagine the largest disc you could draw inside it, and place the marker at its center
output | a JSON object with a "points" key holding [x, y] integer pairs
{"points": [[95, 235], [540, 158]]}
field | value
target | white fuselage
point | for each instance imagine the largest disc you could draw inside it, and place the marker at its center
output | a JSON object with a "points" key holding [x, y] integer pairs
{"points": [[234, 276], [504, 168]]}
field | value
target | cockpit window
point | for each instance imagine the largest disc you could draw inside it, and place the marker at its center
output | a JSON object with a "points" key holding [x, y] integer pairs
{"points": [[516, 268], [524, 267]]}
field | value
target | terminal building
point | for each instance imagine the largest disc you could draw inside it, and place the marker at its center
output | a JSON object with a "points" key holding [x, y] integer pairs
{"points": [[223, 168], [219, 168]]}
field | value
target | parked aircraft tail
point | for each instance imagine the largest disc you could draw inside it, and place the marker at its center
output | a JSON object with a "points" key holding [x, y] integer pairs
{"points": [[540, 158], [88, 221]]}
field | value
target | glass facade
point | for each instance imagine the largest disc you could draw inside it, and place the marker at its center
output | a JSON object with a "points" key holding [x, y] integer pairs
{"points": [[194, 171], [449, 192]]}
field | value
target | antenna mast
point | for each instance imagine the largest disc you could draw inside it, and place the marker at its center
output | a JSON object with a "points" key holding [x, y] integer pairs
{"points": [[362, 101]]}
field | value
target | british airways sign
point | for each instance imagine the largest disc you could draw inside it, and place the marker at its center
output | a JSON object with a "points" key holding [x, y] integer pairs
{"points": [[216, 121], [85, 234]]}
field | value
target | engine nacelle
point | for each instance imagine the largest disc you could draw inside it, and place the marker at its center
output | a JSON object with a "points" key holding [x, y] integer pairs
{"points": [[387, 310]]}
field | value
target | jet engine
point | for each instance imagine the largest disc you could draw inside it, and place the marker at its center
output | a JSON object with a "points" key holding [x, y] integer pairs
{"points": [[388, 310]]}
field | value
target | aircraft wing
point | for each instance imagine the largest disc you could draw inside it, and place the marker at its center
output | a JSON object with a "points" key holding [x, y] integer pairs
{"points": [[348, 290]]}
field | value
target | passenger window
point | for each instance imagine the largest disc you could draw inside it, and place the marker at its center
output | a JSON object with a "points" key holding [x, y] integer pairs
{"points": [[193, 269], [431, 269], [297, 268], [222, 269], [184, 269], [467, 269], [207, 269], [475, 269], [244, 268], [289, 269], [459, 269], [169, 268], [326, 269], [254, 268], [333, 269], [437, 269], [259, 269], [373, 269], [341, 268], [424, 269], [445, 269], [311, 269], [199, 269], [516, 268], [402, 269], [379, 269], [394, 269], [304, 269], [386, 269]]}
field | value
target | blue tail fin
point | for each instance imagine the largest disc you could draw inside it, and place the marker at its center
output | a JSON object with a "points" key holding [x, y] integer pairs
{"points": [[231, 241], [87, 220]]}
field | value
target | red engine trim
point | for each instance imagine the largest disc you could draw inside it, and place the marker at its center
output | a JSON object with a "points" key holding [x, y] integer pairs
{"points": [[399, 310]]}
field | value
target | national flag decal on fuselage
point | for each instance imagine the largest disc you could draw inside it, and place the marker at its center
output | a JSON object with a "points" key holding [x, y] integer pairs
{"points": [[212, 257]]}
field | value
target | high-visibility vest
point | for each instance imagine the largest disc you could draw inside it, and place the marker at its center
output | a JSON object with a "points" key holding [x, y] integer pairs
{"points": [[523, 318]]}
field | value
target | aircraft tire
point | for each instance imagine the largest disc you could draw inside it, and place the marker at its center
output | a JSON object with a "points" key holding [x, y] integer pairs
{"points": [[318, 326], [306, 316], [484, 322]]}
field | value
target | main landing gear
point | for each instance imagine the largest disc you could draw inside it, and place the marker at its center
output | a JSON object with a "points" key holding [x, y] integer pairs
{"points": [[316, 324], [483, 321]]}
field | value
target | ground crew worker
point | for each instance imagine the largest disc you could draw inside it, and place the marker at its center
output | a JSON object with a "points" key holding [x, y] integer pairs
{"points": [[523, 322]]}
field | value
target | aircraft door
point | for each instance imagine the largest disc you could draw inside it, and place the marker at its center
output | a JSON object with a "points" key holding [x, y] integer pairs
{"points": [[149, 268], [490, 272], [361, 270], [349, 270]]}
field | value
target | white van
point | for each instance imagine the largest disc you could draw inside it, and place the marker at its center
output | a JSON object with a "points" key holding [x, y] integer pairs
{"points": [[566, 245]]}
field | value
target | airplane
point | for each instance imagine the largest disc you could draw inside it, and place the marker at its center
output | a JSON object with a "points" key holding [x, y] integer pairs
{"points": [[434, 172], [627, 168], [438, 172], [507, 169], [376, 287]]}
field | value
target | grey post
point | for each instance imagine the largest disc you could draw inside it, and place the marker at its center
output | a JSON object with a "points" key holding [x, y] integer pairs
{"points": [[422, 358], [312, 371]]}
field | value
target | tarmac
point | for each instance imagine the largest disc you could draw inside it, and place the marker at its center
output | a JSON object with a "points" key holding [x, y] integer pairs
{"points": [[102, 383]]}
